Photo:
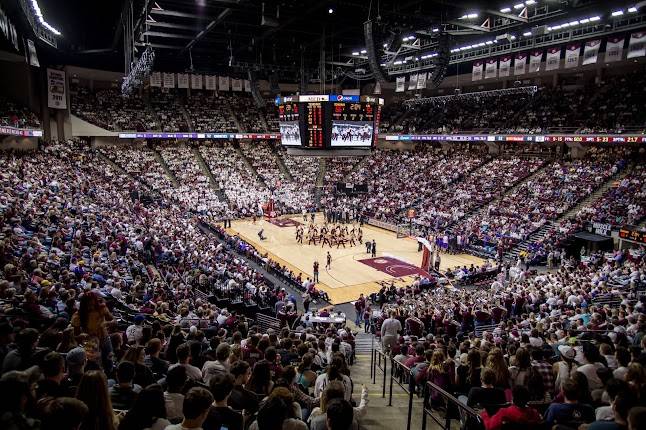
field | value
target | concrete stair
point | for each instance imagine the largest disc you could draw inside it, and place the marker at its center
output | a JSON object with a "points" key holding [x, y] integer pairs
{"points": [[320, 182], [204, 167], [281, 163], [234, 117], [187, 119], [247, 163], [167, 170]]}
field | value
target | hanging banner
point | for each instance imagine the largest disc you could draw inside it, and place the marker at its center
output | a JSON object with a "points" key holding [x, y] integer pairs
{"points": [[182, 80], [247, 86], [476, 72], [535, 61], [223, 83], [637, 45], [412, 83], [491, 68], [33, 57], [169, 80], [196, 82], [504, 66], [8, 30], [572, 55], [553, 59], [614, 48], [56, 97], [236, 85], [591, 51], [209, 82], [155, 79], [520, 63], [421, 81], [401, 84]]}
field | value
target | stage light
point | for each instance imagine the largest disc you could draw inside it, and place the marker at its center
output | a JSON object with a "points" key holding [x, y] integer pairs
{"points": [[594, 18], [505, 10], [519, 6], [355, 53], [363, 51], [584, 21], [39, 16], [617, 13], [530, 2], [330, 11], [632, 9], [435, 30], [527, 33]]}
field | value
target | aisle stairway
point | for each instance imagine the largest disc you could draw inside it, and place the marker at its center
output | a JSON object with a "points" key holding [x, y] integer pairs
{"points": [[320, 182], [167, 170], [204, 167], [281, 163], [247, 163]]}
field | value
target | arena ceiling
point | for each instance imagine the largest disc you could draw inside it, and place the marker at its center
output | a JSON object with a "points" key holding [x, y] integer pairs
{"points": [[280, 35]]}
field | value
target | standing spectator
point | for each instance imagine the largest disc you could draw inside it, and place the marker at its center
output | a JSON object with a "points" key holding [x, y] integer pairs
{"points": [[390, 329]]}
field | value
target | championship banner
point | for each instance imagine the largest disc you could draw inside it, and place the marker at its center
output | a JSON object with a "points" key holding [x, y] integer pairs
{"points": [[8, 29], [33, 57], [421, 81], [614, 48], [572, 55], [535, 61], [520, 63], [247, 86], [553, 59], [155, 79], [591, 51], [505, 65], [637, 45], [476, 72], [209, 82], [196, 82], [169, 80], [412, 83], [236, 85], [56, 97], [182, 80], [223, 83], [401, 84], [491, 68]]}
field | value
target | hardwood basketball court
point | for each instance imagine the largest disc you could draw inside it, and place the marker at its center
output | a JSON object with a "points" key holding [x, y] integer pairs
{"points": [[397, 259]]}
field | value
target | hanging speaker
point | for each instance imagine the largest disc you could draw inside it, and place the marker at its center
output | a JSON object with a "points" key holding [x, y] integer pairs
{"points": [[372, 43], [441, 61]]}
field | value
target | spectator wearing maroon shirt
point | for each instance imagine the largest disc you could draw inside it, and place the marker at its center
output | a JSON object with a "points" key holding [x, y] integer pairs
{"points": [[250, 353], [414, 326]]}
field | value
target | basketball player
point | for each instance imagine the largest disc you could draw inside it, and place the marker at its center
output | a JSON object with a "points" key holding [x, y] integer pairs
{"points": [[328, 264], [374, 248]]}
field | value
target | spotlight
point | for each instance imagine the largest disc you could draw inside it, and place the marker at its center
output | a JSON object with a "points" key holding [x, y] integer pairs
{"points": [[330, 11]]}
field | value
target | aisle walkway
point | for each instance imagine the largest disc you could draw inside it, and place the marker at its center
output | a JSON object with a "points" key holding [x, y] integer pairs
{"points": [[381, 416]]}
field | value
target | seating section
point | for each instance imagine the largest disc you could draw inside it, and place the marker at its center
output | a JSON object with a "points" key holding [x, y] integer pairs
{"points": [[14, 115], [167, 106], [110, 110], [210, 112]]}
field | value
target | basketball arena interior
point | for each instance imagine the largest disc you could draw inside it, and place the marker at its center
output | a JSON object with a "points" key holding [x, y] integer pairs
{"points": [[383, 214]]}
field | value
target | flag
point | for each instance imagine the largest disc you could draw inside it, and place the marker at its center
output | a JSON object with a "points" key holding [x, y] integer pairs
{"points": [[169, 80], [196, 82], [614, 48], [505, 65], [591, 51], [156, 79], [491, 68], [535, 61], [637, 45], [182, 80], [572, 55], [553, 59], [476, 72], [421, 81], [401, 84], [412, 83], [33, 57], [520, 63]]}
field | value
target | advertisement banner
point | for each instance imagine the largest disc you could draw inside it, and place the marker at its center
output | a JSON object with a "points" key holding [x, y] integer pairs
{"points": [[236, 85], [572, 55], [155, 79], [196, 82], [421, 81], [476, 72], [637, 45], [491, 68], [182, 80], [169, 80], [553, 59], [520, 63], [223, 83], [412, 83], [591, 51], [209, 82], [56, 96], [614, 48], [247, 86], [535, 61], [401, 84], [505, 66]]}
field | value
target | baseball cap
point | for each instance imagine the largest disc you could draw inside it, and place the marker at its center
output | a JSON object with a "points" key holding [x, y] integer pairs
{"points": [[76, 356], [567, 352]]}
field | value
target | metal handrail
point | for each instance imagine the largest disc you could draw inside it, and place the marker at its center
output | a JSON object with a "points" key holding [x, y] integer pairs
{"points": [[450, 401]]}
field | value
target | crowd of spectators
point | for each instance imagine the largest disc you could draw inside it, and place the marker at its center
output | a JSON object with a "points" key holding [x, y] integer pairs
{"points": [[571, 342], [210, 112], [168, 108], [106, 323], [14, 115]]}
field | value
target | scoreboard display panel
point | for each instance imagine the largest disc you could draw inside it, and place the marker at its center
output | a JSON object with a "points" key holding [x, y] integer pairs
{"points": [[329, 121], [314, 125], [353, 112]]}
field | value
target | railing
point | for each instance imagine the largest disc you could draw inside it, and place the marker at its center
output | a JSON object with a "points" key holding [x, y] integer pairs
{"points": [[401, 375], [450, 404]]}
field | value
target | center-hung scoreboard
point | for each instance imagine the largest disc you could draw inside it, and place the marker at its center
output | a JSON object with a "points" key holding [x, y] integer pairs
{"points": [[329, 121]]}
